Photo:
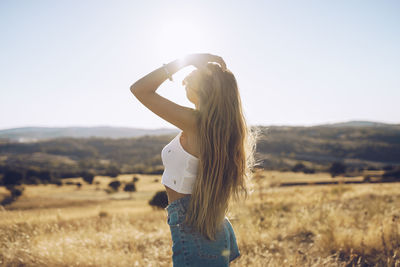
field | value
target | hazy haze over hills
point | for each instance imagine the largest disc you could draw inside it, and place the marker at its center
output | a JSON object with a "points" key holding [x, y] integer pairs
{"points": [[359, 124], [29, 134]]}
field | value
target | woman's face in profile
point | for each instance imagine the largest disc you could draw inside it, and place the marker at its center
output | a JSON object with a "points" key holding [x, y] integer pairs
{"points": [[191, 94]]}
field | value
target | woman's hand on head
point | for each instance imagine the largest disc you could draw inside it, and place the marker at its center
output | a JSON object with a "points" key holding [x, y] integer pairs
{"points": [[200, 60]]}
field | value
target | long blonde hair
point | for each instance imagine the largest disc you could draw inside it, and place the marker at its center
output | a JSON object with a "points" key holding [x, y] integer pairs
{"points": [[227, 147]]}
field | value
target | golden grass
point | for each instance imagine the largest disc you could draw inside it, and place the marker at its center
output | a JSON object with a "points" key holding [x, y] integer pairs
{"points": [[334, 225]]}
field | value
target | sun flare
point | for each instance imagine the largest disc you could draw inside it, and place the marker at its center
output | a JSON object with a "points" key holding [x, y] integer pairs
{"points": [[182, 36]]}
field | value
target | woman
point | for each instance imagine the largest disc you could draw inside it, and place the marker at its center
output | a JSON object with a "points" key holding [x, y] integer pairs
{"points": [[207, 164]]}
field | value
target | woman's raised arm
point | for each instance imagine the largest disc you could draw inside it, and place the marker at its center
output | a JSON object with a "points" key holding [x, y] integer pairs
{"points": [[150, 82], [145, 91], [154, 79]]}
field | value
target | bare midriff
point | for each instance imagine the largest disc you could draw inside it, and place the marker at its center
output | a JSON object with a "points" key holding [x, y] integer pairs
{"points": [[173, 195]]}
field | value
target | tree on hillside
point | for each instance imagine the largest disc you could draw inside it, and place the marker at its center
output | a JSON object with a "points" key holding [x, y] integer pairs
{"points": [[32, 176], [78, 185], [298, 167], [37, 175], [57, 182], [337, 168], [130, 187], [12, 177], [388, 167], [46, 176], [159, 200], [88, 176], [115, 185], [15, 192], [112, 170], [393, 175]]}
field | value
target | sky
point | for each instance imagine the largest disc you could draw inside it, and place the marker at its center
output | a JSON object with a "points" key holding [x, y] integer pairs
{"points": [[71, 63]]}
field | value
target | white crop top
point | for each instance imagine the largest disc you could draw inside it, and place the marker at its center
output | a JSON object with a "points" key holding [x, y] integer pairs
{"points": [[180, 167]]}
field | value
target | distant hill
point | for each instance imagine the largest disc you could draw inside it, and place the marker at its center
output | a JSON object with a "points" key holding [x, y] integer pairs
{"points": [[358, 124], [359, 144], [30, 134], [278, 147]]}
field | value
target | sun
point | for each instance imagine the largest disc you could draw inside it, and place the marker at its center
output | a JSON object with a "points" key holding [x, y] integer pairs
{"points": [[178, 37]]}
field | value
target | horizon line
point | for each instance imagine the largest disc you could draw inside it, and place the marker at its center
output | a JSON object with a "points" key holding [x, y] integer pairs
{"points": [[172, 128]]}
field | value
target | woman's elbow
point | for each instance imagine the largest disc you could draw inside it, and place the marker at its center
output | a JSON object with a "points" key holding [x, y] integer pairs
{"points": [[133, 89]]}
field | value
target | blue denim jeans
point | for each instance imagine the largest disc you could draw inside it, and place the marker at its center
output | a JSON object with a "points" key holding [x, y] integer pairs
{"points": [[190, 248]]}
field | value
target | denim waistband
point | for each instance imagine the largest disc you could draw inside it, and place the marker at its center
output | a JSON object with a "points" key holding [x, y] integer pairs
{"points": [[180, 204]]}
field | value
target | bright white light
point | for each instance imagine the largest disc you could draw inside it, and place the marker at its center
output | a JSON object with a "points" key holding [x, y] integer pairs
{"points": [[178, 36], [182, 36]]}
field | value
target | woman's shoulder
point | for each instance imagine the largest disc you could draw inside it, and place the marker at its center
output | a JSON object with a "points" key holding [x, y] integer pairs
{"points": [[191, 118], [189, 140]]}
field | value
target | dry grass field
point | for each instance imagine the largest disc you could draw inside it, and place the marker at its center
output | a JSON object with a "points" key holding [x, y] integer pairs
{"points": [[335, 225]]}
